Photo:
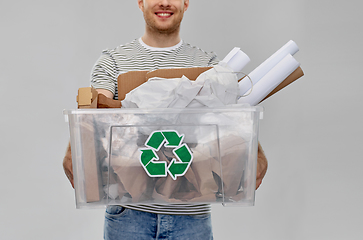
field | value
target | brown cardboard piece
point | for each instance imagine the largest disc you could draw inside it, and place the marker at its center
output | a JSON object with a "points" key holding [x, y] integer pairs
{"points": [[298, 73], [190, 73], [92, 172], [87, 97], [130, 80]]}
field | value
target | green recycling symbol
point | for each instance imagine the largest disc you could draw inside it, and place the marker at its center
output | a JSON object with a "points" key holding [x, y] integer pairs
{"points": [[172, 139]]}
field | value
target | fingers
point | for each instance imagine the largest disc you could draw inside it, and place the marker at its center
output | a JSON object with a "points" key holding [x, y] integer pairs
{"points": [[258, 183], [70, 177], [67, 165]]}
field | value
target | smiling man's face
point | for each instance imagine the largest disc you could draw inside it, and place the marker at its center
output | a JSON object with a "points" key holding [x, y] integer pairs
{"points": [[163, 16]]}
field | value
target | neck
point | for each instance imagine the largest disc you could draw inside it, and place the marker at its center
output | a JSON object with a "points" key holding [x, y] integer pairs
{"points": [[161, 40]]}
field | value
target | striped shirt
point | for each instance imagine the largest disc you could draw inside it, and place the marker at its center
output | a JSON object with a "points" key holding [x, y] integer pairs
{"points": [[137, 56]]}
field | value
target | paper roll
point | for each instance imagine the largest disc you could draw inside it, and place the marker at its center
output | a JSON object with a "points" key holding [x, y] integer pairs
{"points": [[236, 59], [289, 48], [271, 80]]}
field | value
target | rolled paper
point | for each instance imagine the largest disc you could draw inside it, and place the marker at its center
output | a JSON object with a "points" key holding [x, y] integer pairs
{"points": [[271, 80], [255, 76], [236, 59]]}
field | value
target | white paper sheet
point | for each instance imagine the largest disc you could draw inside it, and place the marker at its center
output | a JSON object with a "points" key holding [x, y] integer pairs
{"points": [[161, 92], [271, 80], [289, 48], [220, 88]]}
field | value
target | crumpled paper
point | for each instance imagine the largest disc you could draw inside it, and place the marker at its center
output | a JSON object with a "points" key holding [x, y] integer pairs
{"points": [[216, 87]]}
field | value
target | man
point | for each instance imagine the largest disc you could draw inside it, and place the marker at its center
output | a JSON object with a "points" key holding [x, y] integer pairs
{"points": [[159, 47]]}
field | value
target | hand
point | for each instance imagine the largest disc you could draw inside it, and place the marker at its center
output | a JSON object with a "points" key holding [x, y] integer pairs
{"points": [[67, 165], [261, 166], [106, 102]]}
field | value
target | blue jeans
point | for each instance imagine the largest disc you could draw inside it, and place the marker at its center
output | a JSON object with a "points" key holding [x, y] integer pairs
{"points": [[124, 223]]}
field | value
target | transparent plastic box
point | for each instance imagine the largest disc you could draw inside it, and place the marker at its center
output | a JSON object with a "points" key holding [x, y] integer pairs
{"points": [[131, 156]]}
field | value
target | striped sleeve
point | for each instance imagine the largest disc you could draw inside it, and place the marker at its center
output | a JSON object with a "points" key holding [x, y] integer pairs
{"points": [[214, 59], [104, 74]]}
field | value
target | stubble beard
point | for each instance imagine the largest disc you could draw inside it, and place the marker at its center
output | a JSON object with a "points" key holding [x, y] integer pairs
{"points": [[151, 25]]}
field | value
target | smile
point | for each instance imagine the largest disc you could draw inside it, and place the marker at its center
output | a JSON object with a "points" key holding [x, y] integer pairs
{"points": [[164, 14]]}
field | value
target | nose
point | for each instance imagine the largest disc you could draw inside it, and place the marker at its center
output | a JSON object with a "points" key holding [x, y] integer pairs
{"points": [[164, 3]]}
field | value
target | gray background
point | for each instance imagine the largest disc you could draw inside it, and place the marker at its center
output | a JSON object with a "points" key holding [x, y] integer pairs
{"points": [[311, 131]]}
